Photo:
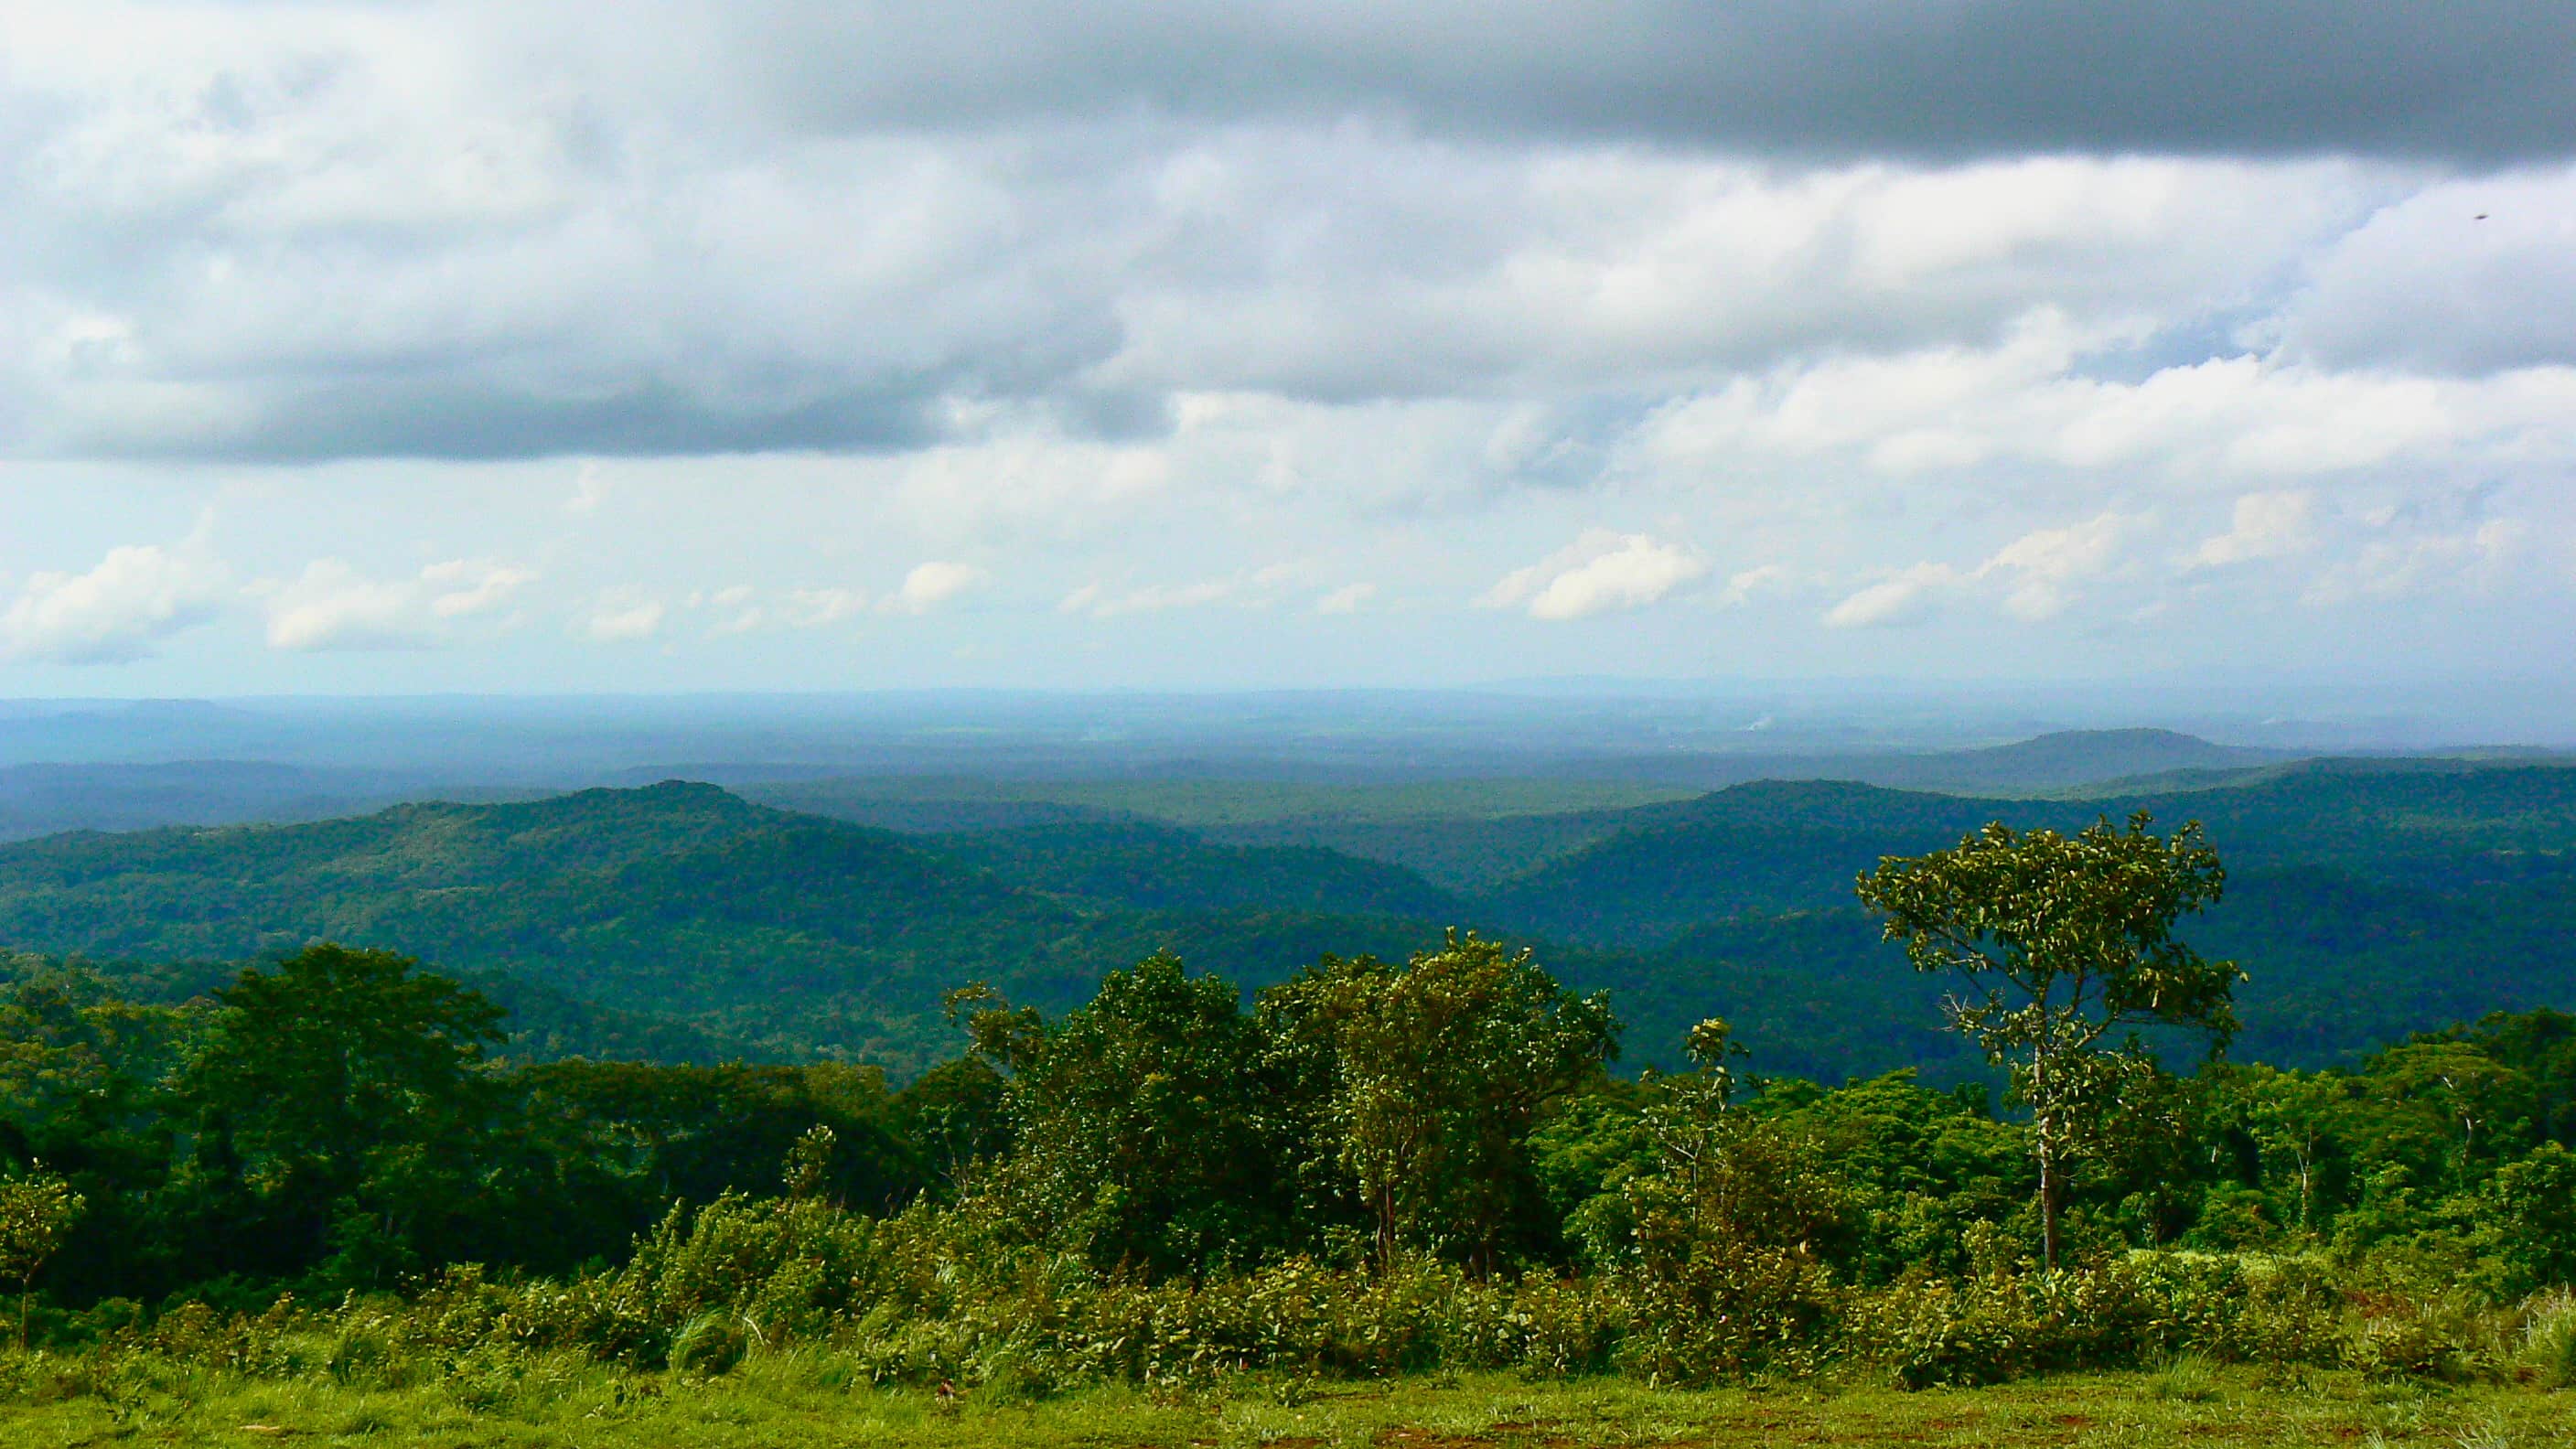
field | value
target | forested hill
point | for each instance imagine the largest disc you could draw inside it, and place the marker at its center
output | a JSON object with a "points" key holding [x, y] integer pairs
{"points": [[1775, 845], [2367, 899], [790, 932], [1768, 846]]}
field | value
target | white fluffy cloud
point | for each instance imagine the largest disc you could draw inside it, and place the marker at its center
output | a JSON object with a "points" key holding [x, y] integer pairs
{"points": [[1601, 572], [2037, 575], [2031, 403], [590, 490], [122, 610], [334, 606], [808, 295], [2045, 568], [733, 605], [816, 608], [1348, 599], [1907, 597], [934, 583], [2262, 526], [2471, 275], [2404, 562], [623, 615], [738, 609], [1745, 585], [461, 588], [1100, 602], [297, 204]]}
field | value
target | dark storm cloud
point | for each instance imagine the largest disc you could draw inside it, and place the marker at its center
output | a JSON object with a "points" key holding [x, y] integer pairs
{"points": [[477, 230], [2475, 83]]}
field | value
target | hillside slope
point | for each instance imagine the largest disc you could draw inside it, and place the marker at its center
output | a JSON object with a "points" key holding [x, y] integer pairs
{"points": [[2367, 898], [1789, 845], [683, 902], [1157, 868], [1769, 846], [2064, 760], [675, 899], [2366, 901]]}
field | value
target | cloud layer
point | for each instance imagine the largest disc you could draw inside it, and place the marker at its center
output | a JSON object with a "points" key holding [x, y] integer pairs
{"points": [[119, 611], [984, 340]]}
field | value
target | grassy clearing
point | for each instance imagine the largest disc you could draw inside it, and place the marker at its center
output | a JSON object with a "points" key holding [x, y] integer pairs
{"points": [[812, 1399]]}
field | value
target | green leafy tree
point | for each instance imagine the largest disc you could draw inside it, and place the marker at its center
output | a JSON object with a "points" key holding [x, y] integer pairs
{"points": [[1728, 1234], [2294, 1116], [2460, 1106], [1686, 1123], [1428, 1078], [1919, 1167], [952, 1117], [2534, 1199], [2062, 941], [36, 1214], [1141, 1119], [340, 1090]]}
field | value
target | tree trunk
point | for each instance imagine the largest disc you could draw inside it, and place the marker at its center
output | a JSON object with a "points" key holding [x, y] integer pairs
{"points": [[2044, 1125], [2047, 1200]]}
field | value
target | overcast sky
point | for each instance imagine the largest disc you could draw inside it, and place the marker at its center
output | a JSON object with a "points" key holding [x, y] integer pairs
{"points": [[678, 345]]}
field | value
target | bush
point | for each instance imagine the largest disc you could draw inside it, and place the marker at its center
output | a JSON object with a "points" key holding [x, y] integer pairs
{"points": [[945, 1295], [1985, 1329], [1727, 1311], [2549, 1341], [2291, 1314]]}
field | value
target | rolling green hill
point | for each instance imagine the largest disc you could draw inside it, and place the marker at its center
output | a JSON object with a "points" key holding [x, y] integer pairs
{"points": [[2367, 899], [1158, 868], [1474, 836], [1461, 835], [682, 902], [1768, 846], [679, 900], [681, 921], [2065, 760], [1775, 845]]}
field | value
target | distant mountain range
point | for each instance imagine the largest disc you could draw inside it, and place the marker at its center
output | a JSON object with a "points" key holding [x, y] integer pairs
{"points": [[2368, 898]]}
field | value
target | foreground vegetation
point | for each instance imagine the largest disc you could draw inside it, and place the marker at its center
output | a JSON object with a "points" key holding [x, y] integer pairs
{"points": [[313, 1190], [811, 1398]]}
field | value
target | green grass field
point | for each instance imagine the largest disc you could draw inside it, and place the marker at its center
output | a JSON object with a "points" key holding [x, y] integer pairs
{"points": [[804, 1399]]}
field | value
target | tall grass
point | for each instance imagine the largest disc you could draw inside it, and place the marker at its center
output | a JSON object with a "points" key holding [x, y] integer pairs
{"points": [[797, 1293]]}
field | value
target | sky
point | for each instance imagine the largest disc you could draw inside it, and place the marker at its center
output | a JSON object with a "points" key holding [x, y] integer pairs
{"points": [[787, 345]]}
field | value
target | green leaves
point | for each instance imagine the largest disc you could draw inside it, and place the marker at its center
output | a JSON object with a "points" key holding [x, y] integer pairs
{"points": [[2063, 940], [1430, 1078], [1161, 1129], [339, 1090], [1145, 1123], [2066, 936], [36, 1214]]}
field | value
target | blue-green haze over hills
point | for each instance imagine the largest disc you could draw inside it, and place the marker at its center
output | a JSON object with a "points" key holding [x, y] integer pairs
{"points": [[2368, 897]]}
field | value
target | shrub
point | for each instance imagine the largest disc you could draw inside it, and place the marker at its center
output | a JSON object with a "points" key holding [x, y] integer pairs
{"points": [[2549, 1340], [1726, 1311], [2012, 1320], [2291, 1314]]}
